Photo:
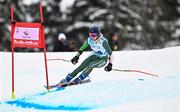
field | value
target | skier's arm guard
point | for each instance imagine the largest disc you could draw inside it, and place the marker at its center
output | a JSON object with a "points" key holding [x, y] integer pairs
{"points": [[82, 48], [109, 51]]}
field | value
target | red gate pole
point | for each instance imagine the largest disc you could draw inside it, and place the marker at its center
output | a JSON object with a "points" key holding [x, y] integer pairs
{"points": [[12, 47], [13, 94], [45, 60], [42, 33], [41, 14]]}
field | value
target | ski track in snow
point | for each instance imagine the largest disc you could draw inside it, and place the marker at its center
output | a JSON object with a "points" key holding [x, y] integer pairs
{"points": [[82, 97]]}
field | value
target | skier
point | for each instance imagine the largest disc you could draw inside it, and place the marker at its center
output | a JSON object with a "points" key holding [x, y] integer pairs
{"points": [[101, 53]]}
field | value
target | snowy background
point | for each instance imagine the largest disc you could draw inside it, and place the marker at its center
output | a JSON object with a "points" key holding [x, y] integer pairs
{"points": [[149, 34], [150, 24], [108, 92]]}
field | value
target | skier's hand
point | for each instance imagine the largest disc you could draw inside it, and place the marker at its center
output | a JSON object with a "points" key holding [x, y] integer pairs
{"points": [[108, 67], [74, 60]]}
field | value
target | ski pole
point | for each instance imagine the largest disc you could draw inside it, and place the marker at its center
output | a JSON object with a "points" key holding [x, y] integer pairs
{"points": [[58, 59], [138, 71]]}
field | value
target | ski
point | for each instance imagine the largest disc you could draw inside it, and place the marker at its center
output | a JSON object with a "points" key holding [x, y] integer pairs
{"points": [[66, 85]]}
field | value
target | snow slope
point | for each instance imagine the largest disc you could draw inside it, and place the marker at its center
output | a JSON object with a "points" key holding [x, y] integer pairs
{"points": [[108, 92]]}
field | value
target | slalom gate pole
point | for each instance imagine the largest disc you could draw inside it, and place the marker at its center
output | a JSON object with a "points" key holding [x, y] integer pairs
{"points": [[12, 46], [58, 59], [138, 71]]}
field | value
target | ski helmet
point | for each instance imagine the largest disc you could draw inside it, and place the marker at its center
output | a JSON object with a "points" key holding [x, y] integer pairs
{"points": [[94, 31]]}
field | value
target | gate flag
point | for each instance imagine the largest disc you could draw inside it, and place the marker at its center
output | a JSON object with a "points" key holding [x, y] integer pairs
{"points": [[27, 35]]}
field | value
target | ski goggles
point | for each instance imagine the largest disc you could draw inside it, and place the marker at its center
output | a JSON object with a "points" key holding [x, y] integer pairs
{"points": [[93, 35]]}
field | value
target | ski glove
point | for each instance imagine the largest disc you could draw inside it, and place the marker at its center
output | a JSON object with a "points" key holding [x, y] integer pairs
{"points": [[108, 67], [74, 60]]}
